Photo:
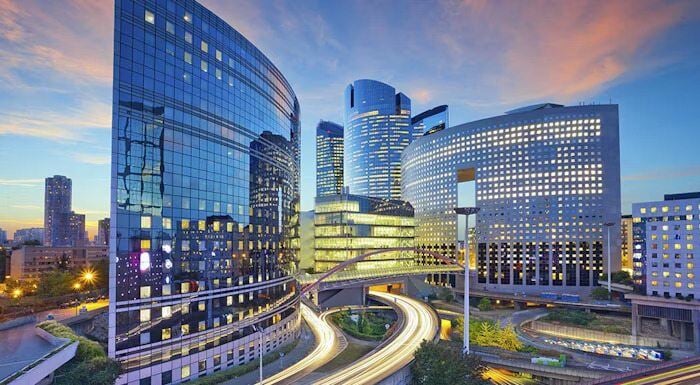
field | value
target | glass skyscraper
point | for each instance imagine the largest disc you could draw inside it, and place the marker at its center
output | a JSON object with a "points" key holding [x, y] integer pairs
{"points": [[329, 158], [377, 128], [431, 121], [205, 195], [547, 180]]}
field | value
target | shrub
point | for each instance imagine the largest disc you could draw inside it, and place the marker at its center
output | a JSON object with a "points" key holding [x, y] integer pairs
{"points": [[573, 317], [485, 304], [600, 293]]}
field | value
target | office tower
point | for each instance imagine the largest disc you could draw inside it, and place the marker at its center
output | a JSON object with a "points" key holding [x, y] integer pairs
{"points": [[329, 158], [102, 232], [26, 235], [3, 236], [666, 240], [547, 179], [431, 121], [205, 196], [627, 243], [377, 129], [57, 207], [347, 226]]}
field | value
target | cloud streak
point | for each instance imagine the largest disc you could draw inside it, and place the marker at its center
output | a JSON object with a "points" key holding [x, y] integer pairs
{"points": [[664, 174], [21, 182]]}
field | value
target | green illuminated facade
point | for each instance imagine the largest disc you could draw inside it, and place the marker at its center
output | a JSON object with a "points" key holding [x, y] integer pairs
{"points": [[347, 226]]}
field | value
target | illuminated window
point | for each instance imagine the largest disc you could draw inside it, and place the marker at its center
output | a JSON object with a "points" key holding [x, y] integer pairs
{"points": [[188, 18], [166, 312], [185, 371], [170, 27], [188, 57], [145, 315], [185, 329], [204, 66], [145, 222], [145, 292], [188, 37], [150, 17], [165, 334], [204, 46]]}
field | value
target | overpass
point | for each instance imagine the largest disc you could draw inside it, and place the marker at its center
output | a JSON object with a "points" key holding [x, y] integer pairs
{"points": [[550, 375]]}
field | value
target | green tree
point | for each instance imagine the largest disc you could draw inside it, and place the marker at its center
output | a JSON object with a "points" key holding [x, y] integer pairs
{"points": [[600, 293], [55, 283], [485, 304], [102, 274], [622, 277], [443, 364]]}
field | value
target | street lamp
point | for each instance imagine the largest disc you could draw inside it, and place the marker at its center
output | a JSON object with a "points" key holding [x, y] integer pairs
{"points": [[608, 225], [261, 331], [466, 211]]}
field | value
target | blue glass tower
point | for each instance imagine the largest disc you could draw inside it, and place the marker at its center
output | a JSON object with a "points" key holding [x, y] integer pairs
{"points": [[329, 158], [377, 128], [205, 195]]}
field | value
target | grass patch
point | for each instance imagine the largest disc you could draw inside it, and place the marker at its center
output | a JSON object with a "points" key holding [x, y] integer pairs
{"points": [[369, 325], [237, 371], [90, 366], [352, 353], [590, 321]]}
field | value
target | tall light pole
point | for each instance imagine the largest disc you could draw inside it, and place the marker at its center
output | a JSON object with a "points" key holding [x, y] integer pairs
{"points": [[608, 225], [466, 211], [261, 331]]}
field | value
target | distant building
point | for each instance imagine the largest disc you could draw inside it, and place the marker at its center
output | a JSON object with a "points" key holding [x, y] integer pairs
{"points": [[3, 237], [627, 243], [347, 226], [31, 261], [377, 129], [102, 237], [329, 158], [547, 179], [26, 235], [306, 253], [57, 206], [666, 241], [431, 121]]}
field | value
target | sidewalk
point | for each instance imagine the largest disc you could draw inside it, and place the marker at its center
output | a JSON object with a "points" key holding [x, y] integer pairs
{"points": [[305, 345]]}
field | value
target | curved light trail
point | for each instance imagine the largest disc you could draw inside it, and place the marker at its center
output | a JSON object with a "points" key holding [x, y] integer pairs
{"points": [[327, 347], [420, 323]]}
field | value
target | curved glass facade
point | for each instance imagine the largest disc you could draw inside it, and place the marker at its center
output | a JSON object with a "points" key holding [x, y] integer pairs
{"points": [[547, 179], [205, 195], [377, 128]]}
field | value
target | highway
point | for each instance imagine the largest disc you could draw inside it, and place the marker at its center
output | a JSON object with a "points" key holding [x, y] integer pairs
{"points": [[328, 345], [689, 375], [419, 324]]}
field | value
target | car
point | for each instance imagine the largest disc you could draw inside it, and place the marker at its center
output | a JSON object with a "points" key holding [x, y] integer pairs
{"points": [[50, 317]]}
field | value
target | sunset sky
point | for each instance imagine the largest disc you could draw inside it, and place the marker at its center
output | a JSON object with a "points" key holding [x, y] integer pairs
{"points": [[480, 57]]}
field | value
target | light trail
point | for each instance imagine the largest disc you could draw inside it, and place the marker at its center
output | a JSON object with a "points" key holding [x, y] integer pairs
{"points": [[420, 324], [677, 376], [326, 348]]}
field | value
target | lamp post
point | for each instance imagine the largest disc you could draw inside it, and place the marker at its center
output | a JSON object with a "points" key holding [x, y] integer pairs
{"points": [[260, 369], [466, 211], [608, 225]]}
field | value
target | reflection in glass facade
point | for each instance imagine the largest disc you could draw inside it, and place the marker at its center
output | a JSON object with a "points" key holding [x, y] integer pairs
{"points": [[347, 226], [431, 121], [547, 179], [205, 196], [329, 158], [377, 129]]}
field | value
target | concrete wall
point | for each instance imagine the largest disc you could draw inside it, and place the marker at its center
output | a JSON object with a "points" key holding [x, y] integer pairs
{"points": [[46, 367], [341, 297], [17, 322], [400, 377], [598, 336]]}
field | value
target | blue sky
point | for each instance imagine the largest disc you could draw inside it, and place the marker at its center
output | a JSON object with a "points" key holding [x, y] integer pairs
{"points": [[480, 57]]}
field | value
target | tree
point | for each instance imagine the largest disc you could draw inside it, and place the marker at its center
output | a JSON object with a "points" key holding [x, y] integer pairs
{"points": [[442, 364], [55, 283], [446, 295], [621, 277], [485, 304], [102, 274], [600, 293]]}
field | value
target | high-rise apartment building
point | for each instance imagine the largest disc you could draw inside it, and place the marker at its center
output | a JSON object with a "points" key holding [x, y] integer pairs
{"points": [[102, 232], [666, 241], [329, 158], [377, 129], [431, 121], [547, 179], [57, 207], [205, 196]]}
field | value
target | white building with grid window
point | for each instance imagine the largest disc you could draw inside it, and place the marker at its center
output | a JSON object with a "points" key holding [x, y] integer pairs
{"points": [[547, 179], [666, 241]]}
